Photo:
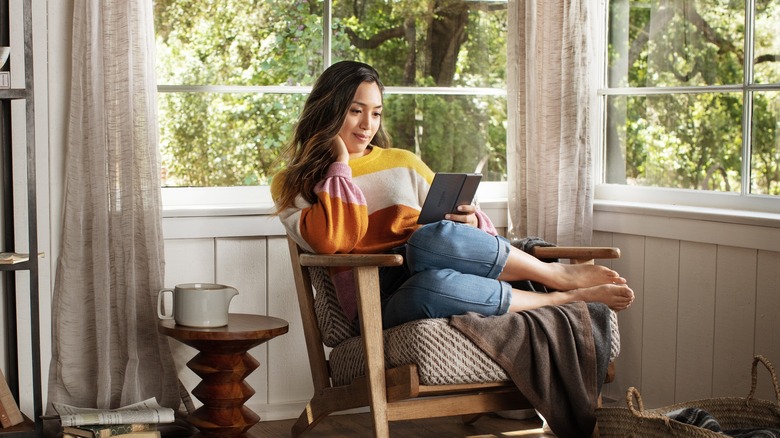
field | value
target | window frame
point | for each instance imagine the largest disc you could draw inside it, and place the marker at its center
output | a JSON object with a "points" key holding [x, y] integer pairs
{"points": [[686, 200], [178, 201], [256, 200]]}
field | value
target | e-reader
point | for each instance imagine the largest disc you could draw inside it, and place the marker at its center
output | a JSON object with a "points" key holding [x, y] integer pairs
{"points": [[447, 192]]}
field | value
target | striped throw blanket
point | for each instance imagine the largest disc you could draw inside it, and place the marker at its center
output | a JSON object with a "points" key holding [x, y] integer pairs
{"points": [[703, 419]]}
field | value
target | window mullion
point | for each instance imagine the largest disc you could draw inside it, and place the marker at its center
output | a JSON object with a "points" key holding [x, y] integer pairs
{"points": [[747, 100], [327, 20]]}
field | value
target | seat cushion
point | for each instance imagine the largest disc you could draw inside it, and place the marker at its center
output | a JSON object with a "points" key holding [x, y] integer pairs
{"points": [[443, 355]]}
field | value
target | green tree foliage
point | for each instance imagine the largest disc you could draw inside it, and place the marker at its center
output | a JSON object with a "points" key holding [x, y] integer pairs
{"points": [[230, 138], [224, 137], [691, 140]]}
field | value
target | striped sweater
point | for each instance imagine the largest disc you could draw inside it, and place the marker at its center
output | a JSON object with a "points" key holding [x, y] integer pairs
{"points": [[368, 206]]}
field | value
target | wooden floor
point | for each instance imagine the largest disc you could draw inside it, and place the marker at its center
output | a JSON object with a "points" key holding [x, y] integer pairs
{"points": [[359, 425]]}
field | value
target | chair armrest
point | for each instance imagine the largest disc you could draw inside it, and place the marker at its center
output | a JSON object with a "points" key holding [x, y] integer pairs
{"points": [[542, 252], [351, 260], [575, 252]]}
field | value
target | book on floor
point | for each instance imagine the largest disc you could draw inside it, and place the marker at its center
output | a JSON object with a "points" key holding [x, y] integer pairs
{"points": [[107, 430], [147, 411], [145, 434], [141, 434]]}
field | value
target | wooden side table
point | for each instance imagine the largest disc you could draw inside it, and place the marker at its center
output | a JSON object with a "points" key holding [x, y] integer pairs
{"points": [[223, 362]]}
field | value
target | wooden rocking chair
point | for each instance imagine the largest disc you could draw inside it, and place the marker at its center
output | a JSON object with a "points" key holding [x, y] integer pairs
{"points": [[420, 369]]}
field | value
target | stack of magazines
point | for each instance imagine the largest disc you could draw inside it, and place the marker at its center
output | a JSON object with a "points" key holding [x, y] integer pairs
{"points": [[138, 420]]}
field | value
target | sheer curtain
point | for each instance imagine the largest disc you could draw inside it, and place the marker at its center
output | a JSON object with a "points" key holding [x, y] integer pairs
{"points": [[106, 351], [549, 77]]}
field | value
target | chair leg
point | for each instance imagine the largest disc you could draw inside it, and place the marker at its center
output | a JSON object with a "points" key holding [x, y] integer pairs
{"points": [[366, 279], [309, 418], [377, 397], [326, 402], [381, 425]]}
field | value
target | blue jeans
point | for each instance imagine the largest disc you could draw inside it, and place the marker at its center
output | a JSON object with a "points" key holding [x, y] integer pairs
{"points": [[451, 268]]}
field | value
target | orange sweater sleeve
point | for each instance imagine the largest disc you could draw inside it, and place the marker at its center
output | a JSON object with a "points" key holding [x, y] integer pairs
{"points": [[337, 221]]}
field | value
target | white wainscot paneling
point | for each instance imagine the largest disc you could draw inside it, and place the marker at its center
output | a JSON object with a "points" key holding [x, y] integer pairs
{"points": [[767, 312], [735, 316], [187, 261], [659, 334], [291, 386], [704, 307], [243, 264], [259, 268], [695, 320], [629, 364]]}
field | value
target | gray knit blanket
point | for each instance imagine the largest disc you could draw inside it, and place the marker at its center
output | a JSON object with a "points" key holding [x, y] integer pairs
{"points": [[703, 419]]}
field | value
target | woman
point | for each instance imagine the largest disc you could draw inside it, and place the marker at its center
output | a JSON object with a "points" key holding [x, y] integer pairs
{"points": [[344, 190]]}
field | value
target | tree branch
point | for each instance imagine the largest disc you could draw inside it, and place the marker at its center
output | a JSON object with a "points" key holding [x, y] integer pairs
{"points": [[411, 53], [375, 40], [693, 16], [767, 58]]}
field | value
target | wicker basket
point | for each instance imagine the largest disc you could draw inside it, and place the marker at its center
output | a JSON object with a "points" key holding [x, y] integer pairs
{"points": [[731, 413]]}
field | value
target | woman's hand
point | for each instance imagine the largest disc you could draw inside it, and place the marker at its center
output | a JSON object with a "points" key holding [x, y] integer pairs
{"points": [[339, 148], [466, 214]]}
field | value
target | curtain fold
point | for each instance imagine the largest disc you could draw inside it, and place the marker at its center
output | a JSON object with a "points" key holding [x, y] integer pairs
{"points": [[106, 351], [548, 89]]}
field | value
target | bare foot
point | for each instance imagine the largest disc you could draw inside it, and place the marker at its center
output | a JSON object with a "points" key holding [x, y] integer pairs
{"points": [[616, 296], [569, 277]]}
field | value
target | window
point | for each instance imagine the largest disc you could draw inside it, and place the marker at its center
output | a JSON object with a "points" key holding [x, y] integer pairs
{"points": [[233, 76], [692, 98]]}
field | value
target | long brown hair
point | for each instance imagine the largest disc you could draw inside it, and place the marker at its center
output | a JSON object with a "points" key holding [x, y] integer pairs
{"points": [[308, 155]]}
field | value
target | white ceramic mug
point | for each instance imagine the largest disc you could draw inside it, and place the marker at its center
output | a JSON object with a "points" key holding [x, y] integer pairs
{"points": [[198, 304]]}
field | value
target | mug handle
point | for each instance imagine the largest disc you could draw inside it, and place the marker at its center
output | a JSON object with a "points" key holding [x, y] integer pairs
{"points": [[160, 313]]}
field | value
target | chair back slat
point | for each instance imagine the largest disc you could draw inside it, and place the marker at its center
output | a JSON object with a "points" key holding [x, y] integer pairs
{"points": [[312, 335]]}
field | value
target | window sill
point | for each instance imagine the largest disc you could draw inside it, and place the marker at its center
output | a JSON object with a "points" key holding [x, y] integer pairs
{"points": [[237, 201], [670, 211], [200, 212], [248, 211], [256, 209], [216, 201], [744, 229]]}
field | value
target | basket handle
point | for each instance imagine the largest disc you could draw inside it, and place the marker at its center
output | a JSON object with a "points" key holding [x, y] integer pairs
{"points": [[632, 395], [638, 410], [768, 365]]}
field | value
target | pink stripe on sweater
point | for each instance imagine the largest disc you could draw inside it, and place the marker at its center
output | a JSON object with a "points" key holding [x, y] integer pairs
{"points": [[338, 185]]}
